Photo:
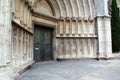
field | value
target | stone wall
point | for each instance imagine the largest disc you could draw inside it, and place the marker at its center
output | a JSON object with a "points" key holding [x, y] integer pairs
{"points": [[22, 36], [22, 46], [118, 2], [80, 20], [81, 30], [76, 48], [22, 14], [76, 38], [104, 36], [76, 28], [6, 72]]}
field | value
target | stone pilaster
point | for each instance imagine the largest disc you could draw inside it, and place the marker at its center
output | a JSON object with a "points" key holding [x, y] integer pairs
{"points": [[104, 37], [101, 37], [108, 38], [103, 28], [6, 71]]}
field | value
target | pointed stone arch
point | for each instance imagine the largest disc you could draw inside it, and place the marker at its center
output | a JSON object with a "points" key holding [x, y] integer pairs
{"points": [[55, 7], [67, 8], [43, 7]]}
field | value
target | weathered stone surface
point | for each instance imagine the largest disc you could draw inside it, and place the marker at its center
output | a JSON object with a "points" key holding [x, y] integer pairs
{"points": [[101, 7], [81, 30]]}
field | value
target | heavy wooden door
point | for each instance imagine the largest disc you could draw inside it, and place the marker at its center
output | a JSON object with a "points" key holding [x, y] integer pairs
{"points": [[42, 43]]}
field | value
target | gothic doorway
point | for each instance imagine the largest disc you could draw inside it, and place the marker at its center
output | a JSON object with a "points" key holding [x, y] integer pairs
{"points": [[43, 43]]}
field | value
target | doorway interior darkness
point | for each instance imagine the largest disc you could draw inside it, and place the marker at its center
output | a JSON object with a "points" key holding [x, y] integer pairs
{"points": [[43, 37]]}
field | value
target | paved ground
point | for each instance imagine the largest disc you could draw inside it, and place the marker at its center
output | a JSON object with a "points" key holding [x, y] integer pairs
{"points": [[74, 70]]}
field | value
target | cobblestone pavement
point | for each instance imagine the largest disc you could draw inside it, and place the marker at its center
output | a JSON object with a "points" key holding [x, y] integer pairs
{"points": [[74, 70]]}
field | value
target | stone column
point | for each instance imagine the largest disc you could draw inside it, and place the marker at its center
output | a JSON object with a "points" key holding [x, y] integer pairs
{"points": [[6, 71], [101, 37]]}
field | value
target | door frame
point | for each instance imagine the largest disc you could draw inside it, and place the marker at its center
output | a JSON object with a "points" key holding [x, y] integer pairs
{"points": [[49, 22]]}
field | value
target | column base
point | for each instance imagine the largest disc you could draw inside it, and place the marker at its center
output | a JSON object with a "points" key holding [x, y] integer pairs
{"points": [[6, 73], [105, 56]]}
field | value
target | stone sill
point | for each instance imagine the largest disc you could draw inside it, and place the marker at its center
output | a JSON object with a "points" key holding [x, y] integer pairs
{"points": [[76, 36], [22, 26]]}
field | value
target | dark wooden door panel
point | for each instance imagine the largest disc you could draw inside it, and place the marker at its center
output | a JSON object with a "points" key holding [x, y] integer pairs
{"points": [[43, 39], [48, 44], [37, 53]]}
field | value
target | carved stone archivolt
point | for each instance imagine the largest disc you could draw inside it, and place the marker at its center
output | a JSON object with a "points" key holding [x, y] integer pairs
{"points": [[70, 8]]}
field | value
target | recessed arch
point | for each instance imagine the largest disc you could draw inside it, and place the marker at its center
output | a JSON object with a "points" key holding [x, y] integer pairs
{"points": [[51, 6], [54, 6], [60, 7], [44, 7], [67, 8]]}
